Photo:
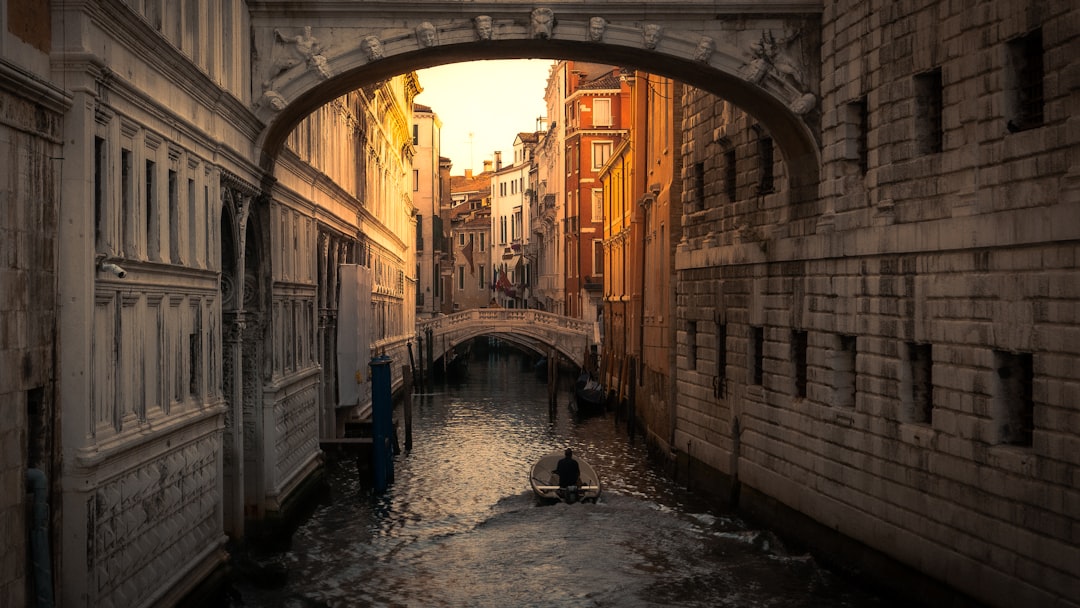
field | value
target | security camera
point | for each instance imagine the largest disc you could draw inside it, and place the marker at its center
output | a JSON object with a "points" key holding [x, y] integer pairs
{"points": [[113, 268]]}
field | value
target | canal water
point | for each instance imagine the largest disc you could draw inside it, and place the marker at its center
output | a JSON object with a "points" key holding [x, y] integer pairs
{"points": [[460, 526]]}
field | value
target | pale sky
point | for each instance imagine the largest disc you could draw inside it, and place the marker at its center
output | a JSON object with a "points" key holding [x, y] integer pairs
{"points": [[492, 100]]}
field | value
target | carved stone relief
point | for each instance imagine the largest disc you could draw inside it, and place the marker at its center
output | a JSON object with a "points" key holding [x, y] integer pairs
{"points": [[772, 56], [483, 26], [543, 20], [426, 34], [705, 48], [153, 519], [372, 47], [597, 26], [297, 432], [651, 35]]}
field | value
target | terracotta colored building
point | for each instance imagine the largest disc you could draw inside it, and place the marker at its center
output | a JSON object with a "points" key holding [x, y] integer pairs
{"points": [[597, 116]]}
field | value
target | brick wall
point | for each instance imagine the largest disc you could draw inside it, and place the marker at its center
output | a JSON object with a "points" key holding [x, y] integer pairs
{"points": [[931, 310], [29, 138]]}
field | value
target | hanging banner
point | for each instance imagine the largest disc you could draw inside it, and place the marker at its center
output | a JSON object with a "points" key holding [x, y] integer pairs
{"points": [[354, 335]]}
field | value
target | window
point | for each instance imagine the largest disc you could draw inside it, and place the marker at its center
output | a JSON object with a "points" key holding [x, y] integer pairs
{"points": [[461, 277], [691, 345], [152, 231], [601, 112], [416, 180], [127, 199], [798, 358], [699, 185], [1024, 82], [174, 218], [598, 257], [101, 160], [482, 276], [597, 205], [917, 383], [720, 382], [193, 224], [483, 239], [1012, 405], [844, 355], [765, 153], [928, 109], [195, 362], [419, 233], [502, 230], [416, 135], [730, 175], [461, 239], [856, 134], [756, 356], [601, 152]]}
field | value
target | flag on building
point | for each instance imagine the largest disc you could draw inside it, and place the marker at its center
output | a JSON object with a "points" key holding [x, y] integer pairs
{"points": [[467, 251]]}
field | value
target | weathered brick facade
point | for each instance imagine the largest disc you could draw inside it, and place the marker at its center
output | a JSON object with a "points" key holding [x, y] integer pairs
{"points": [[30, 129], [900, 361]]}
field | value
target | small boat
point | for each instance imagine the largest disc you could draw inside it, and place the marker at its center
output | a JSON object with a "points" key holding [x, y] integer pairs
{"points": [[588, 395], [545, 483]]}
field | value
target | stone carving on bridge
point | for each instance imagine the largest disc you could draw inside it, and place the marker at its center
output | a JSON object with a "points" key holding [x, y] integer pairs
{"points": [[772, 56], [803, 104], [426, 35], [272, 99], [543, 20], [597, 25], [705, 48], [651, 35], [372, 47], [484, 29], [308, 48]]}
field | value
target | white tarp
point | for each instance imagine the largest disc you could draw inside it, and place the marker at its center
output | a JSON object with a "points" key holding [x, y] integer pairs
{"points": [[354, 335]]}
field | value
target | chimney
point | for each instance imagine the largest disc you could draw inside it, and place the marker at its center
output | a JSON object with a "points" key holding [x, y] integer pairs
{"points": [[498, 160], [487, 166], [468, 173]]}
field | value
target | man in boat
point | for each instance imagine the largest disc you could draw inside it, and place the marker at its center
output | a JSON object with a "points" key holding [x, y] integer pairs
{"points": [[568, 470]]}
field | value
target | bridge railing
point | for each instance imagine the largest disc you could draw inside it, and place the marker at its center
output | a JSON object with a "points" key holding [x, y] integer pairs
{"points": [[495, 316]]}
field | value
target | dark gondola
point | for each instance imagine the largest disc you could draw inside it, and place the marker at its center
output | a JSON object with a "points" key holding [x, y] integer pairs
{"points": [[588, 395]]}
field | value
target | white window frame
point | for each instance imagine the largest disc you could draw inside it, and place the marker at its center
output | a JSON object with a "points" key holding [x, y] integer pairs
{"points": [[597, 146], [601, 117]]}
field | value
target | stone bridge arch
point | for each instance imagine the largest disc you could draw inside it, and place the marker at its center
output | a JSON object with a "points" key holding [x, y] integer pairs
{"points": [[761, 56], [535, 329]]}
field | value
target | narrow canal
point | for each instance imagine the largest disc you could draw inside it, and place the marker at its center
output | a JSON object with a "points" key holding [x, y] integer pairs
{"points": [[460, 526]]}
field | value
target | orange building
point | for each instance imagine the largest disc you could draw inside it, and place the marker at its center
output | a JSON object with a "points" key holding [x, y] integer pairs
{"points": [[641, 203], [597, 114]]}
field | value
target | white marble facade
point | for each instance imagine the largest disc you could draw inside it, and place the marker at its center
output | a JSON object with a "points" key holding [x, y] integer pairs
{"points": [[188, 356]]}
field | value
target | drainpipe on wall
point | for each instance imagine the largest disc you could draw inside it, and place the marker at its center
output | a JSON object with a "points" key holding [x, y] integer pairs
{"points": [[39, 539]]}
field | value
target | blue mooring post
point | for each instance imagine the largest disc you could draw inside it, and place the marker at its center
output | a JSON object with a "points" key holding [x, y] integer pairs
{"points": [[382, 424]]}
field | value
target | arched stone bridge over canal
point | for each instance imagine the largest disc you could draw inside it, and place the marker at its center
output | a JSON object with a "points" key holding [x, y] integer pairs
{"points": [[534, 329]]}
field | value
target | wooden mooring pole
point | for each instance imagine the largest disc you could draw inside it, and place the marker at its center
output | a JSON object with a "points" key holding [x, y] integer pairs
{"points": [[553, 389], [406, 405]]}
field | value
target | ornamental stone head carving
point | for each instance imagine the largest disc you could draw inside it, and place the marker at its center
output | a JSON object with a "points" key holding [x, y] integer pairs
{"points": [[705, 49], [483, 27], [597, 25], [425, 34], [652, 34], [372, 47], [543, 19]]}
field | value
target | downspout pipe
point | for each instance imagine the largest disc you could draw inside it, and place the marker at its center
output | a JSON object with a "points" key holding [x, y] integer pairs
{"points": [[39, 538]]}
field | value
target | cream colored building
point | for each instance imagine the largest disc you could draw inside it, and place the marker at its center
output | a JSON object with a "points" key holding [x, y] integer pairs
{"points": [[197, 298], [875, 277]]}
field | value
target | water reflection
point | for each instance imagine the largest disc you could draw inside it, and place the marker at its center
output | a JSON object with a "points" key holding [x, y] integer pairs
{"points": [[460, 527]]}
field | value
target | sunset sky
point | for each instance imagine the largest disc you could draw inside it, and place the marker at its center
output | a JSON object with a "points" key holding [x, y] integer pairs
{"points": [[493, 100]]}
